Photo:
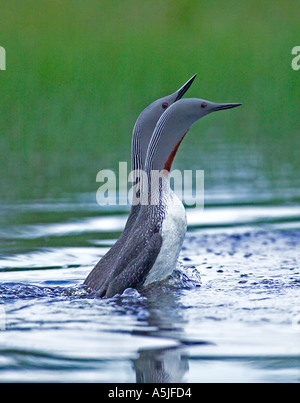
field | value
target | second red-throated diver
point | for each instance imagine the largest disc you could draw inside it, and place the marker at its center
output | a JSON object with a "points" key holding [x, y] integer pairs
{"points": [[152, 247], [143, 129]]}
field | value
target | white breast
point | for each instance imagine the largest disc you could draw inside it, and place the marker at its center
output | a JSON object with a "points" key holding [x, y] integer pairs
{"points": [[173, 232]]}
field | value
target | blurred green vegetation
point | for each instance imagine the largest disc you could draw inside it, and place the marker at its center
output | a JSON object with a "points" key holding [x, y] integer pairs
{"points": [[79, 73]]}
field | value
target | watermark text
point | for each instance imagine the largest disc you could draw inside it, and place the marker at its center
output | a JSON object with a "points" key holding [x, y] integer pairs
{"points": [[144, 188], [2, 317], [2, 58], [296, 59]]}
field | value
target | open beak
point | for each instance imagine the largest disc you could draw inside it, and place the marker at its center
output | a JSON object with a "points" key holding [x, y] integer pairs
{"points": [[185, 87], [219, 107]]}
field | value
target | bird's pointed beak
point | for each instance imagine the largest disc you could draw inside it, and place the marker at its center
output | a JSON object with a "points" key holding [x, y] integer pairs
{"points": [[219, 107], [185, 87]]}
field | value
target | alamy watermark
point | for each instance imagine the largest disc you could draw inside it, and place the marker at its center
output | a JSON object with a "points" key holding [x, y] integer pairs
{"points": [[2, 58], [296, 60], [296, 319], [188, 186], [2, 317]]}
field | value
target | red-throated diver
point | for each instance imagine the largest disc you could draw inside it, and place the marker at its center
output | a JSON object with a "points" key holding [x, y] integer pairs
{"points": [[141, 136], [152, 246]]}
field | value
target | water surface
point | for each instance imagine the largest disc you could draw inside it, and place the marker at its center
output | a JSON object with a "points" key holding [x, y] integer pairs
{"points": [[230, 312]]}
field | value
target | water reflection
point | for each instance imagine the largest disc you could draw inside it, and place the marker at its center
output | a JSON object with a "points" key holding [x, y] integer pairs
{"points": [[163, 317], [161, 365]]}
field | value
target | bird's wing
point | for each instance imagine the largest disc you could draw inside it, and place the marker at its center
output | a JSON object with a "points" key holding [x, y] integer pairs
{"points": [[98, 277], [133, 271]]}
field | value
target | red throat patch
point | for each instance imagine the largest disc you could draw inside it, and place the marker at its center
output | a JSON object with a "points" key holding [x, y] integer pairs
{"points": [[169, 161]]}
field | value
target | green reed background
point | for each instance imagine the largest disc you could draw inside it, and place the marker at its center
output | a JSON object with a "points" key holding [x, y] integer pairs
{"points": [[79, 73]]}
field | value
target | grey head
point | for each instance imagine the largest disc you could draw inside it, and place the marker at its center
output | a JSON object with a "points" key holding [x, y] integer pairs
{"points": [[172, 127], [146, 122]]}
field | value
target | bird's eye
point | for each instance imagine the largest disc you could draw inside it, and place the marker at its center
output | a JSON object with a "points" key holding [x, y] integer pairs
{"points": [[165, 105], [204, 105]]}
